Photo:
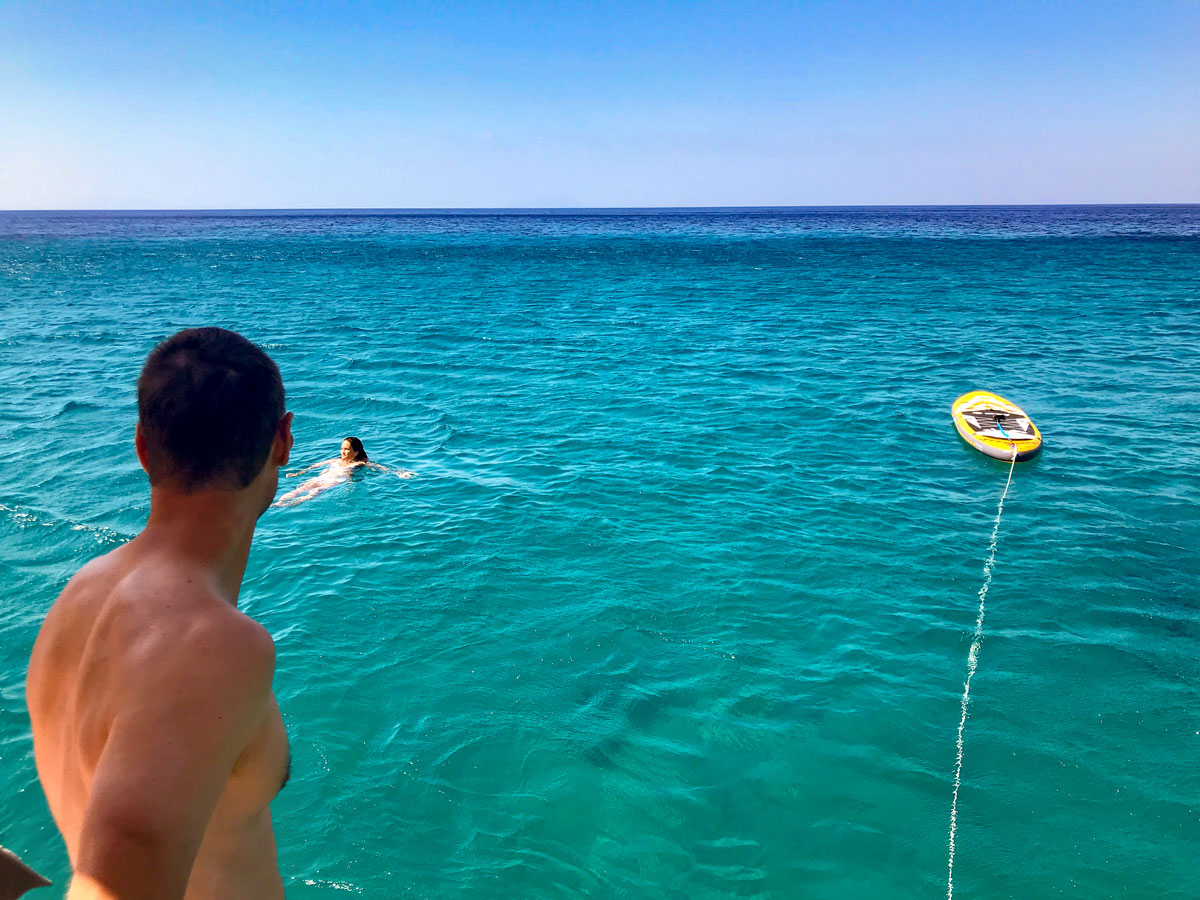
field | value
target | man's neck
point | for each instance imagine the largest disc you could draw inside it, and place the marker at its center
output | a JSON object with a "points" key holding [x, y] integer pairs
{"points": [[211, 529]]}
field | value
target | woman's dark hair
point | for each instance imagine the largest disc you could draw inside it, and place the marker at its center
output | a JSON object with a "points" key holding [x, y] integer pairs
{"points": [[209, 404], [360, 455]]}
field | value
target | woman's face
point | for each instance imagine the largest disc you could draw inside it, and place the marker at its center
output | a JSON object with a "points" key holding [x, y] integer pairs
{"points": [[347, 452]]}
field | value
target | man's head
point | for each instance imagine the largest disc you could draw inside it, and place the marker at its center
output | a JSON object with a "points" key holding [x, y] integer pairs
{"points": [[210, 404]]}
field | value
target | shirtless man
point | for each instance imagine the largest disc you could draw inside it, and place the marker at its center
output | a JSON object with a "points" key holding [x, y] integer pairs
{"points": [[157, 738]]}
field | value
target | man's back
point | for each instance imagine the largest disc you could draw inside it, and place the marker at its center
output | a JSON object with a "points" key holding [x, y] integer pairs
{"points": [[157, 739]]}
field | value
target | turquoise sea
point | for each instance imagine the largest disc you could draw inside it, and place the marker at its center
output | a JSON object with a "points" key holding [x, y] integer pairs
{"points": [[680, 600]]}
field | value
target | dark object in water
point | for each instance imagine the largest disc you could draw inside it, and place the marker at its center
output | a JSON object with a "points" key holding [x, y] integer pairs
{"points": [[16, 878]]}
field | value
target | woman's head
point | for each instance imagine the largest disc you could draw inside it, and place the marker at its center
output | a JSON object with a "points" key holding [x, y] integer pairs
{"points": [[352, 450]]}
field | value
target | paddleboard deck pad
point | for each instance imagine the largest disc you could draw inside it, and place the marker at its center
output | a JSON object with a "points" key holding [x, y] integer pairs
{"points": [[995, 426]]}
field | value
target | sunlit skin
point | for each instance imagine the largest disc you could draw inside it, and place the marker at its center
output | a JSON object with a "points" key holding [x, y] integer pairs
{"points": [[158, 742]]}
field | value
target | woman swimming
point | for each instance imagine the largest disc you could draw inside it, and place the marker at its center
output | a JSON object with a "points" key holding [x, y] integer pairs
{"points": [[337, 471]]}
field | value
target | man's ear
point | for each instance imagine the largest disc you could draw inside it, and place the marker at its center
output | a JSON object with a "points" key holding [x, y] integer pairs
{"points": [[282, 451], [139, 444]]}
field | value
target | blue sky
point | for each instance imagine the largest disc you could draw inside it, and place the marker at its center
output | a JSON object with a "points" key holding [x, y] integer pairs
{"points": [[270, 105]]}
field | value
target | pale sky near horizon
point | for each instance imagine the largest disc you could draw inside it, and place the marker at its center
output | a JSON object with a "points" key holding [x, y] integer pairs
{"points": [[465, 104]]}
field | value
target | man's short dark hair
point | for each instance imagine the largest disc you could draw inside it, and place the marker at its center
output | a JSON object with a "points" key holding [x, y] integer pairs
{"points": [[209, 402]]}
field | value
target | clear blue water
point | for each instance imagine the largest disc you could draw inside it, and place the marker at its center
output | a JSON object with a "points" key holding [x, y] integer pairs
{"points": [[679, 602]]}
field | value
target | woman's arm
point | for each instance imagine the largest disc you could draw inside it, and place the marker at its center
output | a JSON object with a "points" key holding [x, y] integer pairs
{"points": [[315, 465], [399, 473]]}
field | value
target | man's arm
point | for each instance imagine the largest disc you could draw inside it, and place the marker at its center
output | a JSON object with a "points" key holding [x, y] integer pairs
{"points": [[198, 702]]}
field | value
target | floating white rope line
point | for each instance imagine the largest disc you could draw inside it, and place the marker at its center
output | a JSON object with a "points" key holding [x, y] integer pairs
{"points": [[972, 664]]}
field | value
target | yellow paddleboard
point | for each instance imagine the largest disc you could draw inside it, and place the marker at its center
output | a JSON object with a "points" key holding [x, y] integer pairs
{"points": [[995, 426]]}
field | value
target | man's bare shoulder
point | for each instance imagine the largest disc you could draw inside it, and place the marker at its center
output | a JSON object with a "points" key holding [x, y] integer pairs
{"points": [[199, 666], [182, 620], [180, 685], [125, 614]]}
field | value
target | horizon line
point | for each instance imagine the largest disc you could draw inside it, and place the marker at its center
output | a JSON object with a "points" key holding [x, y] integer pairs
{"points": [[588, 209]]}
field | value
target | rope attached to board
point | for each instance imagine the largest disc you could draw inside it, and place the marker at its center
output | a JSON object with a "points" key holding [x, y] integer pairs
{"points": [[972, 664]]}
